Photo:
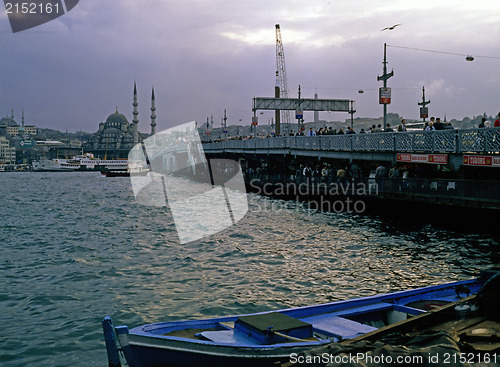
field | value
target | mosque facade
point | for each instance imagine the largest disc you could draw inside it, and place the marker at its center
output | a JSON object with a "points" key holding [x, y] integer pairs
{"points": [[117, 136]]}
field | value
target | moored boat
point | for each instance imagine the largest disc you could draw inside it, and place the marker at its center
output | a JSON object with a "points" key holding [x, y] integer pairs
{"points": [[463, 333], [83, 162], [266, 338]]}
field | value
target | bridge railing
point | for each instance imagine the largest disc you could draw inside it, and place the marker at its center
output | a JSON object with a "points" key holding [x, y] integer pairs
{"points": [[486, 140]]}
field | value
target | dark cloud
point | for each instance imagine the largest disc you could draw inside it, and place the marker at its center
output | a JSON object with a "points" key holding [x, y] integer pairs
{"points": [[205, 56]]}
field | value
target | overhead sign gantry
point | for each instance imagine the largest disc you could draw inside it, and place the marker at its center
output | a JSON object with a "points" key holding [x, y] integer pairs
{"points": [[302, 104]]}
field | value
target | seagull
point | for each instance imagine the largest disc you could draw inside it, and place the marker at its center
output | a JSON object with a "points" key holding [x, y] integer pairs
{"points": [[390, 28]]}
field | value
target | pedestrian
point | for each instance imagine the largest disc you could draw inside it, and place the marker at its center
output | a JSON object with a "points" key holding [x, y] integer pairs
{"points": [[311, 132], [438, 125], [402, 127], [497, 121]]}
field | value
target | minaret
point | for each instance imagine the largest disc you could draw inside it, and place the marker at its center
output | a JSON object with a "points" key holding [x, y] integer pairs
{"points": [[23, 119], [153, 114], [135, 121], [12, 114]]}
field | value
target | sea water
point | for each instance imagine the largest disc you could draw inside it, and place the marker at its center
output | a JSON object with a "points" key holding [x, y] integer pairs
{"points": [[76, 246]]}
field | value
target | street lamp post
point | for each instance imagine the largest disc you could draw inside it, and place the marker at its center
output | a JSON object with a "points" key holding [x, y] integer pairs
{"points": [[384, 78]]}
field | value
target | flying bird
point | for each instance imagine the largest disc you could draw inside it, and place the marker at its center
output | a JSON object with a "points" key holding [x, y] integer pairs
{"points": [[390, 28]]}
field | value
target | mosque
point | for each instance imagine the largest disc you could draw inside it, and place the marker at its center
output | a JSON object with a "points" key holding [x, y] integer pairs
{"points": [[116, 137]]}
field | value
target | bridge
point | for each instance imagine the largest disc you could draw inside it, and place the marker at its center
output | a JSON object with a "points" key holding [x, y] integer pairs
{"points": [[274, 163], [455, 147]]}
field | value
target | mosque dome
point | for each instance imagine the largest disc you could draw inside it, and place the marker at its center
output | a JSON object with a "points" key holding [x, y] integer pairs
{"points": [[116, 119], [7, 121]]}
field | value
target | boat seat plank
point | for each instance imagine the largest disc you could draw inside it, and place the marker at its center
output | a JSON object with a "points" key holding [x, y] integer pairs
{"points": [[365, 309], [338, 326], [229, 337]]}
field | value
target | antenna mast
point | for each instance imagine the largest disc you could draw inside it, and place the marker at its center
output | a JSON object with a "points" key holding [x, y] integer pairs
{"points": [[281, 75]]}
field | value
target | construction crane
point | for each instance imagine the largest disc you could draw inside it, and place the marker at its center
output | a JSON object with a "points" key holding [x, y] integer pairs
{"points": [[281, 75]]}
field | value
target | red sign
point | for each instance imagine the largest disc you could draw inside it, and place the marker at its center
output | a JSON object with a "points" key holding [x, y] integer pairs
{"points": [[422, 158], [255, 121], [385, 95], [481, 160], [424, 112]]}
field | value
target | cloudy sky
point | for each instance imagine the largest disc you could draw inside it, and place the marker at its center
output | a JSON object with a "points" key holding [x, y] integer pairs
{"points": [[204, 56]]}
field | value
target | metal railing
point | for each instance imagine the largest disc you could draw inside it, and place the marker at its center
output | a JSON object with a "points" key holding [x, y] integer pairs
{"points": [[486, 140]]}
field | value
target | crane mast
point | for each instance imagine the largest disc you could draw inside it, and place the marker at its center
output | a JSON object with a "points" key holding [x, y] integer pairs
{"points": [[281, 75]]}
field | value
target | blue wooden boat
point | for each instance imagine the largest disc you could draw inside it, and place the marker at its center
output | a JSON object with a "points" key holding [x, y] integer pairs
{"points": [[267, 338]]}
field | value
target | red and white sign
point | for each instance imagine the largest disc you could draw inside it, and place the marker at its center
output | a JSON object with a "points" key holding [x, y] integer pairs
{"points": [[481, 160], [422, 158], [385, 95]]}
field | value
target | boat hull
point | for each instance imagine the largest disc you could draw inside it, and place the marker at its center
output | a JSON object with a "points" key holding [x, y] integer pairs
{"points": [[213, 343]]}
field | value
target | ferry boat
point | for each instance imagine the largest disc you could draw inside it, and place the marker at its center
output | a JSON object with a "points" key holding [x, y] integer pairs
{"points": [[83, 162], [270, 338]]}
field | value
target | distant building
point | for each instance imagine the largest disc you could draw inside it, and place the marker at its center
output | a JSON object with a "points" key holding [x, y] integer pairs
{"points": [[9, 126], [7, 153], [116, 136], [19, 130]]}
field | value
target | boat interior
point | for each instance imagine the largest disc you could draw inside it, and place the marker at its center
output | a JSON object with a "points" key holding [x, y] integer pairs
{"points": [[279, 327]]}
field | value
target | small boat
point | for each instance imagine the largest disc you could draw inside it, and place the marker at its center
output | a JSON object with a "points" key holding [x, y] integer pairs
{"points": [[267, 338], [115, 173], [462, 333]]}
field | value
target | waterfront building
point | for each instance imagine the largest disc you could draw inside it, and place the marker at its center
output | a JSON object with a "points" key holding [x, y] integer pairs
{"points": [[19, 130], [7, 153], [9, 126]]}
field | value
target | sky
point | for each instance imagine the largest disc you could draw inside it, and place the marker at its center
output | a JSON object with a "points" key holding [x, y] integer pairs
{"points": [[209, 55]]}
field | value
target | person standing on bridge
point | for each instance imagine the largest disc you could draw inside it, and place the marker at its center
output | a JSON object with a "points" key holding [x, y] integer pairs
{"points": [[402, 127], [497, 121], [311, 132]]}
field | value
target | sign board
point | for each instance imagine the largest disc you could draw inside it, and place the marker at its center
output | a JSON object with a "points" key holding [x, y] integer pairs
{"points": [[424, 112], [26, 144], [385, 95], [422, 158], [255, 121], [481, 160], [299, 114]]}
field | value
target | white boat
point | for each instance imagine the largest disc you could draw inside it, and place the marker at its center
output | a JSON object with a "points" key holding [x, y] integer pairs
{"points": [[84, 162], [53, 165]]}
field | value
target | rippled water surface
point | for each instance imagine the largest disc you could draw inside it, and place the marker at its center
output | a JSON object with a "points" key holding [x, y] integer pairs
{"points": [[76, 247]]}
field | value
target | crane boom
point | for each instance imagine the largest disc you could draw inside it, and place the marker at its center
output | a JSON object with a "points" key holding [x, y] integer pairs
{"points": [[281, 74]]}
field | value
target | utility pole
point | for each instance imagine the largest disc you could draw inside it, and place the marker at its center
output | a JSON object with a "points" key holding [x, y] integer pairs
{"points": [[224, 124], [298, 117], [424, 111], [352, 111], [384, 92], [277, 112]]}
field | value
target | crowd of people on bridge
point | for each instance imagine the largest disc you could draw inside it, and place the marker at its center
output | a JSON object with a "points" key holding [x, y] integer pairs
{"points": [[434, 124]]}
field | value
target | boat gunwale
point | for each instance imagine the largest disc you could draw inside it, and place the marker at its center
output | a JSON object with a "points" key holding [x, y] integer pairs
{"points": [[150, 331]]}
